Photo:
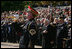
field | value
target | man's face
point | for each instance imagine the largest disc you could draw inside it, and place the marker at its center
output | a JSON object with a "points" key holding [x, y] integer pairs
{"points": [[56, 20], [29, 15], [46, 22], [69, 21], [38, 21], [61, 21]]}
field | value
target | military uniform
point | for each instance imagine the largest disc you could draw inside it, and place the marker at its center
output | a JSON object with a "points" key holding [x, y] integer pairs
{"points": [[50, 36], [69, 35], [16, 31], [9, 34], [4, 32], [39, 42], [29, 35], [62, 33]]}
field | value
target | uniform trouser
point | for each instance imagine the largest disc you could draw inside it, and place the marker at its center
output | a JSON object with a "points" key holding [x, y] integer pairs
{"points": [[59, 43], [18, 38], [46, 43], [1, 37], [4, 37], [69, 43], [39, 38], [25, 40], [9, 37], [49, 45], [14, 37]]}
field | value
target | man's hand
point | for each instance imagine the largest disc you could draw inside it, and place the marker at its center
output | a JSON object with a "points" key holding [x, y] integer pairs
{"points": [[66, 39], [45, 31], [40, 27], [52, 42]]}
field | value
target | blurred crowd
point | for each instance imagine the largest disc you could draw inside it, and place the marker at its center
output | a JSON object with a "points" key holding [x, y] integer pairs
{"points": [[13, 21]]}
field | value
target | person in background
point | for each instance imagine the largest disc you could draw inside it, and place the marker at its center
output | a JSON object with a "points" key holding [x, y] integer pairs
{"points": [[69, 34], [30, 34], [63, 33], [39, 41], [44, 33], [9, 34]]}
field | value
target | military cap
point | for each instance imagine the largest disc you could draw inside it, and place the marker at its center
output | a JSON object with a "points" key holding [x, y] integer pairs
{"points": [[33, 11]]}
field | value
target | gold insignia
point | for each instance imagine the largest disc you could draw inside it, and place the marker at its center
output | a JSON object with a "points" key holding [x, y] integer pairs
{"points": [[32, 31]]}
